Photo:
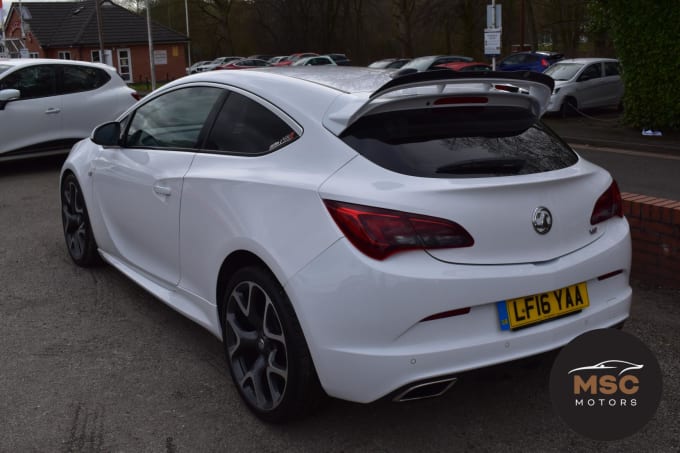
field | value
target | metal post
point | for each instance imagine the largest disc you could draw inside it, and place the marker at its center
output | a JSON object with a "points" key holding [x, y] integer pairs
{"points": [[521, 27], [100, 32], [493, 25], [186, 13], [152, 65]]}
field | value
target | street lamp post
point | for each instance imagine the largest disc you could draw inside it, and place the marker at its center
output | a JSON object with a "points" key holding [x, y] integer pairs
{"points": [[186, 14]]}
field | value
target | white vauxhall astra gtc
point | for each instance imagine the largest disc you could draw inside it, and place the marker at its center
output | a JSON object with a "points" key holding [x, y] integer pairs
{"points": [[350, 234]]}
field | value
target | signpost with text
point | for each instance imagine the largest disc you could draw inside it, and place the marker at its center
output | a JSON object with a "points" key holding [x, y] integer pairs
{"points": [[493, 31]]}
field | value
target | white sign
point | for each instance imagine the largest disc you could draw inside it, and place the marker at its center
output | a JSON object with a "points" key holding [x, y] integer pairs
{"points": [[490, 16], [23, 53], [160, 57], [492, 41]]}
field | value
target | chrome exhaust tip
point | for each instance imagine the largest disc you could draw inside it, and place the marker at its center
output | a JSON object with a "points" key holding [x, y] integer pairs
{"points": [[424, 390]]}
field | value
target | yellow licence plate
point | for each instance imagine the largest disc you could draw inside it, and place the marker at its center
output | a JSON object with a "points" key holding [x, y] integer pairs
{"points": [[524, 311]]}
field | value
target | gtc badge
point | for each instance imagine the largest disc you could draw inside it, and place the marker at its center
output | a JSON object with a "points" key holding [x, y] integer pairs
{"points": [[542, 220]]}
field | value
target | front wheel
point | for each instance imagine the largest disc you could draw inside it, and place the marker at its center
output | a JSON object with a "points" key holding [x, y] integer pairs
{"points": [[80, 241], [568, 107], [266, 351]]}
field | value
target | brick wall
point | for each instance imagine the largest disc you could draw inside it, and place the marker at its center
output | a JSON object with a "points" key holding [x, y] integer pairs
{"points": [[655, 229]]}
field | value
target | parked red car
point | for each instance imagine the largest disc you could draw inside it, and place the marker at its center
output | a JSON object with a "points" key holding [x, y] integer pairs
{"points": [[465, 66], [292, 58]]}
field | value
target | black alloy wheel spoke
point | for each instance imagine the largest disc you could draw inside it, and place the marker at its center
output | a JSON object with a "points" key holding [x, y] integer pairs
{"points": [[73, 215], [256, 346]]}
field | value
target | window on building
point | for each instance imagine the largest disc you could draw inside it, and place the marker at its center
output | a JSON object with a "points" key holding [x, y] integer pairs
{"points": [[33, 55], [64, 55]]}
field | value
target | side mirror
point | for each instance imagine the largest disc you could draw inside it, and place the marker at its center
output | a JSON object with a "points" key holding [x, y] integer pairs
{"points": [[8, 95], [108, 134]]}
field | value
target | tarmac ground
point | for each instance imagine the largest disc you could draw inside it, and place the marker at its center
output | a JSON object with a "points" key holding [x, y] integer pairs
{"points": [[604, 128]]}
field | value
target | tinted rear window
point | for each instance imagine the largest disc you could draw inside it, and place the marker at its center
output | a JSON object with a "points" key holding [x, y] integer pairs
{"points": [[459, 142]]}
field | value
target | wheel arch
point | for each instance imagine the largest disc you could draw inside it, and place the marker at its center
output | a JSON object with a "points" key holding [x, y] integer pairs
{"points": [[233, 262]]}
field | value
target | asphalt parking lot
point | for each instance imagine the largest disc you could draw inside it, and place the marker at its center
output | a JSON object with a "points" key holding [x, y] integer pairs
{"points": [[89, 362]]}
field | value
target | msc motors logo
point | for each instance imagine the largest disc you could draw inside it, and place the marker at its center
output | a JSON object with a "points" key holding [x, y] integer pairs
{"points": [[611, 382], [604, 398]]}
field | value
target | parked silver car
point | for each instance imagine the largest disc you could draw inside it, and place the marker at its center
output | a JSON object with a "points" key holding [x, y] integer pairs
{"points": [[48, 105], [583, 83]]}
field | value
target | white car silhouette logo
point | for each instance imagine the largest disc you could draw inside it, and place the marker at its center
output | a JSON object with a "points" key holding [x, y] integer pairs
{"points": [[610, 364]]}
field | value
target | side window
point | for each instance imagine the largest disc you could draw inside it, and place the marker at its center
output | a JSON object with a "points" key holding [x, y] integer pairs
{"points": [[81, 78], [244, 126], [591, 72], [611, 68], [514, 59], [173, 120], [32, 82]]}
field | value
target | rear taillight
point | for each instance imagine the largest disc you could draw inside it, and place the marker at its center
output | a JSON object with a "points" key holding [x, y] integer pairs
{"points": [[608, 205], [544, 63], [136, 95], [380, 233]]}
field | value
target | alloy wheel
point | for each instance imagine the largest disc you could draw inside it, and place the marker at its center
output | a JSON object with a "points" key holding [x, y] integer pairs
{"points": [[74, 219], [256, 346]]}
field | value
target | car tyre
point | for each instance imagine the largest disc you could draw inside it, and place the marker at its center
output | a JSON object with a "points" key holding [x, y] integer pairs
{"points": [[266, 351], [80, 241], [568, 107]]}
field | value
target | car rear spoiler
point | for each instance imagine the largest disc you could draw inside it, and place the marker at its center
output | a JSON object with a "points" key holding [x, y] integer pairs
{"points": [[528, 90]]}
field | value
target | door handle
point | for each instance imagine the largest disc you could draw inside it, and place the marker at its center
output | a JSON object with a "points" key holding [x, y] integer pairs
{"points": [[162, 190], [52, 110]]}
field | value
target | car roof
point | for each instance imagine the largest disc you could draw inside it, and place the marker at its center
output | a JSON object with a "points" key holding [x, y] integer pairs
{"points": [[342, 94], [588, 60], [348, 79], [34, 61], [17, 63]]}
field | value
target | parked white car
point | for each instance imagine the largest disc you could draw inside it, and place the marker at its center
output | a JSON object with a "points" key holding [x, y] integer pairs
{"points": [[48, 105], [350, 234], [584, 83], [210, 65], [194, 67]]}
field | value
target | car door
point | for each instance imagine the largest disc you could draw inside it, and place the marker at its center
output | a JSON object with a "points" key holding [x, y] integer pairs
{"points": [[89, 98], [34, 118], [138, 186], [589, 84], [612, 85]]}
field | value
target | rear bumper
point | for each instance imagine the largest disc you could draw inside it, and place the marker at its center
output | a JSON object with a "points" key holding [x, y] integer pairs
{"points": [[362, 318]]}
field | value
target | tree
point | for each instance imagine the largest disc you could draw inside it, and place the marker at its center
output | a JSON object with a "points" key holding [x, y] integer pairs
{"points": [[645, 35]]}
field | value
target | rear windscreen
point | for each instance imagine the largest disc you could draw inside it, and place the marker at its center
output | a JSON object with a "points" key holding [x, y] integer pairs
{"points": [[459, 142]]}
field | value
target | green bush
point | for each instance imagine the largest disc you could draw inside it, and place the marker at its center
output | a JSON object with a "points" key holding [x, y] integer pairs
{"points": [[646, 35]]}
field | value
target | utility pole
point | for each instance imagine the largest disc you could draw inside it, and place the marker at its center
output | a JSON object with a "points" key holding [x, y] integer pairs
{"points": [[152, 65], [100, 31], [492, 32], [493, 25], [186, 14], [521, 26]]}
